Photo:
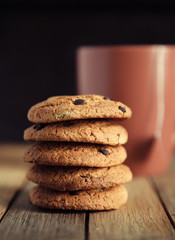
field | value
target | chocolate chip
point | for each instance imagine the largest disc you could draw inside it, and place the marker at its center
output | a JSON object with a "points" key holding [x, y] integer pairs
{"points": [[40, 126], [62, 200], [122, 109], [101, 189], [79, 102], [107, 139], [69, 148], [74, 193], [85, 176], [106, 98], [104, 151], [67, 124]]}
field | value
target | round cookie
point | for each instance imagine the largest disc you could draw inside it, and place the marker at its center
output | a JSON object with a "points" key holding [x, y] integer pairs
{"points": [[60, 108], [75, 178], [99, 199], [75, 154], [92, 131]]}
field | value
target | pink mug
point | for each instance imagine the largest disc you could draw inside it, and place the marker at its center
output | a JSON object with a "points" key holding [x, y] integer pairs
{"points": [[143, 77]]}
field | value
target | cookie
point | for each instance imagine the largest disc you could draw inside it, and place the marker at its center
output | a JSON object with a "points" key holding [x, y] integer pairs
{"points": [[98, 199], [78, 178], [60, 108], [92, 131], [75, 154]]}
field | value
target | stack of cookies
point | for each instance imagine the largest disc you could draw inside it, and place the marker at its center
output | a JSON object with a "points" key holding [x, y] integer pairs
{"points": [[79, 155]]}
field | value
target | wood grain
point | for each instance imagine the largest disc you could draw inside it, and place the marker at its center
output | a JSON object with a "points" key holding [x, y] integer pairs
{"points": [[25, 221], [166, 191], [142, 218], [12, 173]]}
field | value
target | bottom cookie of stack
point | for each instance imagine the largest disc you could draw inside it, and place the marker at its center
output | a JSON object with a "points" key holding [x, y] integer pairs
{"points": [[97, 199]]}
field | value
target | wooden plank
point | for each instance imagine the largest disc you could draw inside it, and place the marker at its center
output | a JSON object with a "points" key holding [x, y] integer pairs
{"points": [[12, 173], [25, 221], [166, 190], [11, 180], [142, 218]]}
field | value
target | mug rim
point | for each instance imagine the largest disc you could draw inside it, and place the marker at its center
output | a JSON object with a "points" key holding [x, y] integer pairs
{"points": [[130, 47]]}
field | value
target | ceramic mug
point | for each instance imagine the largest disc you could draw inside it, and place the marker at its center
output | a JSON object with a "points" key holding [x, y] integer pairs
{"points": [[142, 77]]}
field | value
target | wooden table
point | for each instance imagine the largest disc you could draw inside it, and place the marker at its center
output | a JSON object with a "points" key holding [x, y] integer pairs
{"points": [[149, 213]]}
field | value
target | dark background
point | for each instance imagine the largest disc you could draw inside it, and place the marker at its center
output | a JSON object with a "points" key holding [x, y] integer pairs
{"points": [[38, 42]]}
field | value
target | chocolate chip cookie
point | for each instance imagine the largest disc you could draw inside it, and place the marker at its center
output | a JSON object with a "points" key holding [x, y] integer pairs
{"points": [[75, 154], [98, 199], [91, 131], [78, 178], [61, 108]]}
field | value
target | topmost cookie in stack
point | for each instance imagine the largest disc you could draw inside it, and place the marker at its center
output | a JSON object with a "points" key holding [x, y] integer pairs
{"points": [[63, 108], [83, 120]]}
